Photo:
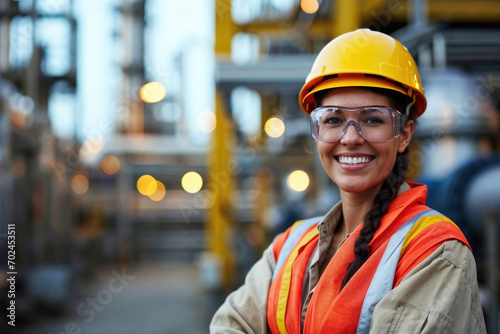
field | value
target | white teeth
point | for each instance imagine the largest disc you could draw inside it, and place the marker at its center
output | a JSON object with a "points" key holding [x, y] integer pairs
{"points": [[352, 161]]}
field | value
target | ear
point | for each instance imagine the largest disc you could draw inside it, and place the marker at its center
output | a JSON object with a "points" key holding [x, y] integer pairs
{"points": [[406, 135]]}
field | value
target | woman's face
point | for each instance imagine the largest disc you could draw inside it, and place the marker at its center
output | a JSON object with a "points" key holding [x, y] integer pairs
{"points": [[366, 176]]}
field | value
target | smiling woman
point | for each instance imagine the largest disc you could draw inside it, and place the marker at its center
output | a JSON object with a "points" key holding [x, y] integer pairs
{"points": [[380, 260], [376, 141]]}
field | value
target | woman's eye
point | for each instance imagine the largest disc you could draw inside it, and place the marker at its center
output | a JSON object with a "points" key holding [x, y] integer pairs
{"points": [[375, 120], [332, 120]]}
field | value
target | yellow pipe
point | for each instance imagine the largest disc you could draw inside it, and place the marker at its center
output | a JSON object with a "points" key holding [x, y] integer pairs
{"points": [[220, 158], [224, 27], [345, 17], [221, 184]]}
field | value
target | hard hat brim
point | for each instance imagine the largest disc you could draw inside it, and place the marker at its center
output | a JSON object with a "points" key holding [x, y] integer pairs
{"points": [[308, 102]]}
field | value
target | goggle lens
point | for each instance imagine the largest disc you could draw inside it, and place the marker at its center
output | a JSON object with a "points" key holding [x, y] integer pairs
{"points": [[376, 124]]}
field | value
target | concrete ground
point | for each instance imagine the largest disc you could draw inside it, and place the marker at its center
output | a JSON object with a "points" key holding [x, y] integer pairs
{"points": [[151, 299]]}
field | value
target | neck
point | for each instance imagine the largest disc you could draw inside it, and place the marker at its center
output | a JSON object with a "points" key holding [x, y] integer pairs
{"points": [[355, 206]]}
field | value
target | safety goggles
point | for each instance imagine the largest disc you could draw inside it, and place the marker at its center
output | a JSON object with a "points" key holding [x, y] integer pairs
{"points": [[376, 124]]}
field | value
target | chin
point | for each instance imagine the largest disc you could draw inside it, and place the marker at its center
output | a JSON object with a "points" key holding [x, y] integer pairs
{"points": [[356, 185], [352, 187]]}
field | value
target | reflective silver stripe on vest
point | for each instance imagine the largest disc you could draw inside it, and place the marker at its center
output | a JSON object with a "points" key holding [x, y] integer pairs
{"points": [[384, 276], [292, 240]]}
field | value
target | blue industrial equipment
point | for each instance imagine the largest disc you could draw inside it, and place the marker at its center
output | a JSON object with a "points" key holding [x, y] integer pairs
{"points": [[460, 197]]}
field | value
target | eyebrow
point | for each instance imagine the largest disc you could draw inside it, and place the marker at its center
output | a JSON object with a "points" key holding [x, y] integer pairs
{"points": [[364, 109], [370, 110]]}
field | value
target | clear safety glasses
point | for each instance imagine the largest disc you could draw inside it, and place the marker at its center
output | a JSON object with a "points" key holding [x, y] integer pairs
{"points": [[376, 124]]}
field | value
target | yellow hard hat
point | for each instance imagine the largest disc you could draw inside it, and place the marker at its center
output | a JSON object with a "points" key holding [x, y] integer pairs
{"points": [[364, 58]]}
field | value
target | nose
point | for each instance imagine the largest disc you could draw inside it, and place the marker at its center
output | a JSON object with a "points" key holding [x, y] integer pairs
{"points": [[352, 136]]}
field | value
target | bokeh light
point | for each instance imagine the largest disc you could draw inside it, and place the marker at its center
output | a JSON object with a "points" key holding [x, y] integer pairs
{"points": [[110, 164], [91, 147], [206, 121], [152, 92], [192, 182], [274, 127], [309, 6], [146, 185], [151, 187], [298, 180], [159, 192], [79, 184]]}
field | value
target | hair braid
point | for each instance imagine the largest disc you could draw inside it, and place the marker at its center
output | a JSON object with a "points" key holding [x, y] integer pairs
{"points": [[372, 219]]}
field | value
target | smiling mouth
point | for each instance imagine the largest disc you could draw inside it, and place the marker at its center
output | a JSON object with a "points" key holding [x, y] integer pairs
{"points": [[354, 160]]}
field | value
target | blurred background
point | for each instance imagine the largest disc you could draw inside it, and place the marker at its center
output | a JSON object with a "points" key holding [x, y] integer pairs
{"points": [[151, 149]]}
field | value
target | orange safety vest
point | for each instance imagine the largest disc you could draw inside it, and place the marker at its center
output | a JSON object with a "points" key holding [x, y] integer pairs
{"points": [[408, 233]]}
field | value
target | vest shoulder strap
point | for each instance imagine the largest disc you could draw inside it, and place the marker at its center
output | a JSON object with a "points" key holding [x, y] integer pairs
{"points": [[296, 233], [383, 279]]}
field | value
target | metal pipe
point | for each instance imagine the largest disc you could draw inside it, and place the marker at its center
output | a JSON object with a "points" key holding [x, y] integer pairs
{"points": [[439, 50], [4, 43], [419, 16]]}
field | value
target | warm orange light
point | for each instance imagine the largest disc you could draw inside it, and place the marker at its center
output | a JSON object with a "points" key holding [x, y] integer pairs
{"points": [[159, 192], [151, 187], [110, 164], [79, 184], [152, 92], [309, 6], [146, 185]]}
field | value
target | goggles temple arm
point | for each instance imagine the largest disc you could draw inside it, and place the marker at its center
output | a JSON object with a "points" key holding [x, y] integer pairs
{"points": [[408, 107]]}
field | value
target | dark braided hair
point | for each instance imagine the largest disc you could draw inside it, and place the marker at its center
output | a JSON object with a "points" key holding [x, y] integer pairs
{"points": [[371, 221], [387, 193]]}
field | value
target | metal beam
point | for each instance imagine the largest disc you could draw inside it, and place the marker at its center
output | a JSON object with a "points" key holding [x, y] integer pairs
{"points": [[482, 11], [344, 14], [275, 74]]}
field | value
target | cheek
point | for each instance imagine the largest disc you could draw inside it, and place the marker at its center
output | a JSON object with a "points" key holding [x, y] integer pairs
{"points": [[389, 165], [324, 149], [325, 154], [388, 156]]}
